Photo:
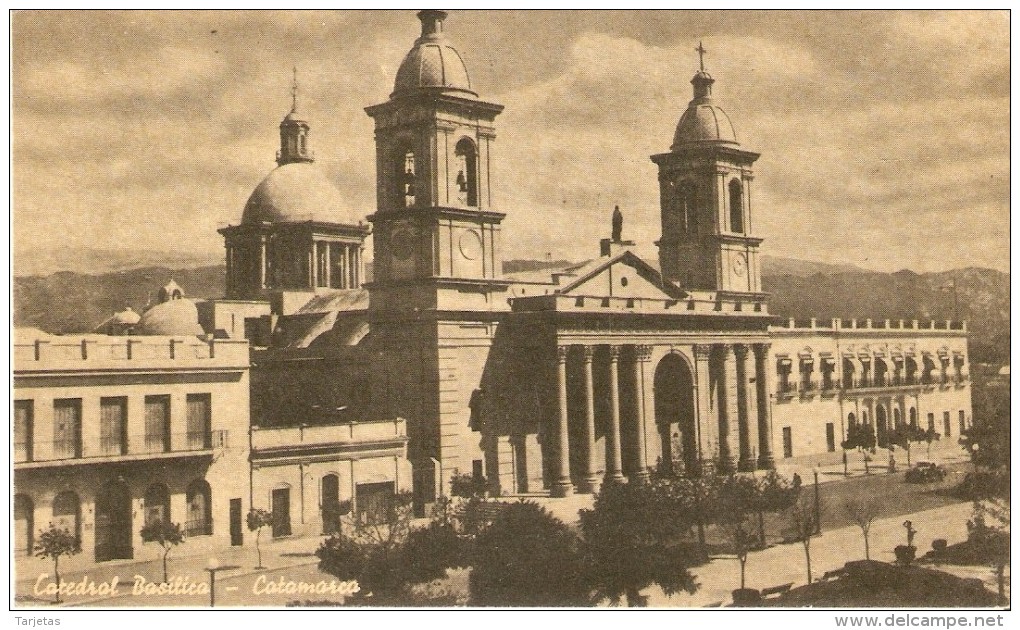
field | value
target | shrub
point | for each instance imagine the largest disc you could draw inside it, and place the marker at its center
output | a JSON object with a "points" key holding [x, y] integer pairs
{"points": [[526, 557]]}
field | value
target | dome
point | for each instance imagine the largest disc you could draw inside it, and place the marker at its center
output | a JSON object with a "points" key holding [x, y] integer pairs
{"points": [[174, 318], [704, 121], [433, 62], [127, 317], [297, 192]]}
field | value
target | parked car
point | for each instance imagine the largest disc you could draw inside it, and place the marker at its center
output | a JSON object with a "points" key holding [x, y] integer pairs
{"points": [[926, 472]]}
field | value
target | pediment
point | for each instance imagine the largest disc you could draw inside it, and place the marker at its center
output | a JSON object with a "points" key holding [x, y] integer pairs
{"points": [[624, 275]]}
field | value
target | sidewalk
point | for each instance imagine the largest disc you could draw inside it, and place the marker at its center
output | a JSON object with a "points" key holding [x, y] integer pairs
{"points": [[234, 561], [833, 549]]}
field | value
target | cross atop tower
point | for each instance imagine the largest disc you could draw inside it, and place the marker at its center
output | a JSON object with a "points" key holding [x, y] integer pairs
{"points": [[293, 92], [701, 54]]}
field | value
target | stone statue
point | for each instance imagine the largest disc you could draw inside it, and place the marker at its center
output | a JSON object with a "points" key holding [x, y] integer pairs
{"points": [[617, 225]]}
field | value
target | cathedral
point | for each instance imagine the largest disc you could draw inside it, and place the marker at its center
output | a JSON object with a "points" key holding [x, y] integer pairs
{"points": [[560, 380], [309, 386]]}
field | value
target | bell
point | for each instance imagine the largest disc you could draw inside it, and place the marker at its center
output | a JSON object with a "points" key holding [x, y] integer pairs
{"points": [[461, 181]]}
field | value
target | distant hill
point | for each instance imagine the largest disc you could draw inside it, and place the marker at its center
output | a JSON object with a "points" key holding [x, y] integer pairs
{"points": [[102, 261], [69, 302]]}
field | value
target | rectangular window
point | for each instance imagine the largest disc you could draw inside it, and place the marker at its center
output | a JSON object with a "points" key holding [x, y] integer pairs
{"points": [[963, 422], [23, 421], [113, 426], [373, 501], [199, 408], [67, 428], [787, 442], [157, 424], [830, 437], [946, 424]]}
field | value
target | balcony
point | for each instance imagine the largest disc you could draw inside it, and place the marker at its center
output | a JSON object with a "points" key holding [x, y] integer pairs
{"points": [[118, 449], [808, 389], [786, 390], [198, 528]]}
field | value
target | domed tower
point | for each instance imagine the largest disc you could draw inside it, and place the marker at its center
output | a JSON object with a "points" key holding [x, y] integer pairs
{"points": [[705, 191], [434, 225], [297, 233]]}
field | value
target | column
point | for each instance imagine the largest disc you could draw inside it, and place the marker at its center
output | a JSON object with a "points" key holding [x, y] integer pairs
{"points": [[230, 270], [562, 487], [329, 268], [351, 269], [642, 355], [727, 408], [313, 269], [262, 263], [744, 406], [343, 267], [590, 482], [708, 421], [614, 461], [765, 457]]}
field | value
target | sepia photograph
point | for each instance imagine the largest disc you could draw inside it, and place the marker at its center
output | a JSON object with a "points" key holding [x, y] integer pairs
{"points": [[518, 309]]}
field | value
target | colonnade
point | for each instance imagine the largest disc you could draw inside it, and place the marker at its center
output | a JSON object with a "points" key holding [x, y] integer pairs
{"points": [[729, 396]]}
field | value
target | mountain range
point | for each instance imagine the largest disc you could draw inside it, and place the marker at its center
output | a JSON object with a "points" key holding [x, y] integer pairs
{"points": [[68, 302]]}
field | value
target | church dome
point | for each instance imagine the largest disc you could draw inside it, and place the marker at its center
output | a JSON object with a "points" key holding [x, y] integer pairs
{"points": [[172, 318], [704, 121], [297, 192], [433, 62], [127, 317]]}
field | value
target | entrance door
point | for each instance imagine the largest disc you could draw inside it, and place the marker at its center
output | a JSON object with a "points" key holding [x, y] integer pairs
{"points": [[281, 512], [787, 442], [330, 504], [236, 533], [113, 522]]}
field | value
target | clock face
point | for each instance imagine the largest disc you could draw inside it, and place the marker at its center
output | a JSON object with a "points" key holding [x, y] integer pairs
{"points": [[470, 245], [402, 243], [739, 264]]}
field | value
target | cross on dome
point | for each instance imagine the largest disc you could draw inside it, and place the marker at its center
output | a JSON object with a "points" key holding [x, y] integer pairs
{"points": [[701, 54]]}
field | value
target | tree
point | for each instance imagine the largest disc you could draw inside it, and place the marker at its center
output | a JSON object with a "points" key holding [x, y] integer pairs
{"points": [[527, 557], [991, 541], [699, 497], [166, 534], [860, 436], [862, 512], [257, 519], [53, 543], [803, 518], [634, 537], [772, 493], [736, 501], [987, 440], [930, 435], [904, 436]]}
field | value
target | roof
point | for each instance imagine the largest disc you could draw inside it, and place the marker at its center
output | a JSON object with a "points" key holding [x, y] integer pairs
{"points": [[433, 62], [298, 192]]}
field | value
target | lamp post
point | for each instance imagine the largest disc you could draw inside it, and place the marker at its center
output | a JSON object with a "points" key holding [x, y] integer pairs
{"points": [[818, 505], [212, 567]]}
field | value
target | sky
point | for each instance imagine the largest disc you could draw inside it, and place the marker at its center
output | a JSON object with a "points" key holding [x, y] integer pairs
{"points": [[884, 135]]}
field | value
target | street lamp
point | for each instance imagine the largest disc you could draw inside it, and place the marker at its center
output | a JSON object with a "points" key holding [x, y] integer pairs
{"points": [[212, 567], [818, 505]]}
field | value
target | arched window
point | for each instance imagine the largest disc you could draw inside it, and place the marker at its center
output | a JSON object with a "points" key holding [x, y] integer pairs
{"points": [[157, 504], [405, 176], [897, 418], [199, 521], [467, 172], [913, 417], [67, 513], [24, 524], [851, 419], [736, 206]]}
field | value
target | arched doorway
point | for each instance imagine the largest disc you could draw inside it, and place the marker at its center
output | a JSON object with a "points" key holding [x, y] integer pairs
{"points": [[674, 415], [913, 417], [897, 418], [881, 426], [113, 522], [330, 504], [24, 523], [199, 497]]}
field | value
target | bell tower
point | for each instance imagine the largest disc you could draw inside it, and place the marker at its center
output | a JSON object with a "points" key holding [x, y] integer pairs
{"points": [[705, 181], [435, 227]]}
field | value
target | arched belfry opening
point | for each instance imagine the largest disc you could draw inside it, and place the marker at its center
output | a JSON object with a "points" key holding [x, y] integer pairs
{"points": [[467, 172], [405, 175], [674, 415], [736, 206]]}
